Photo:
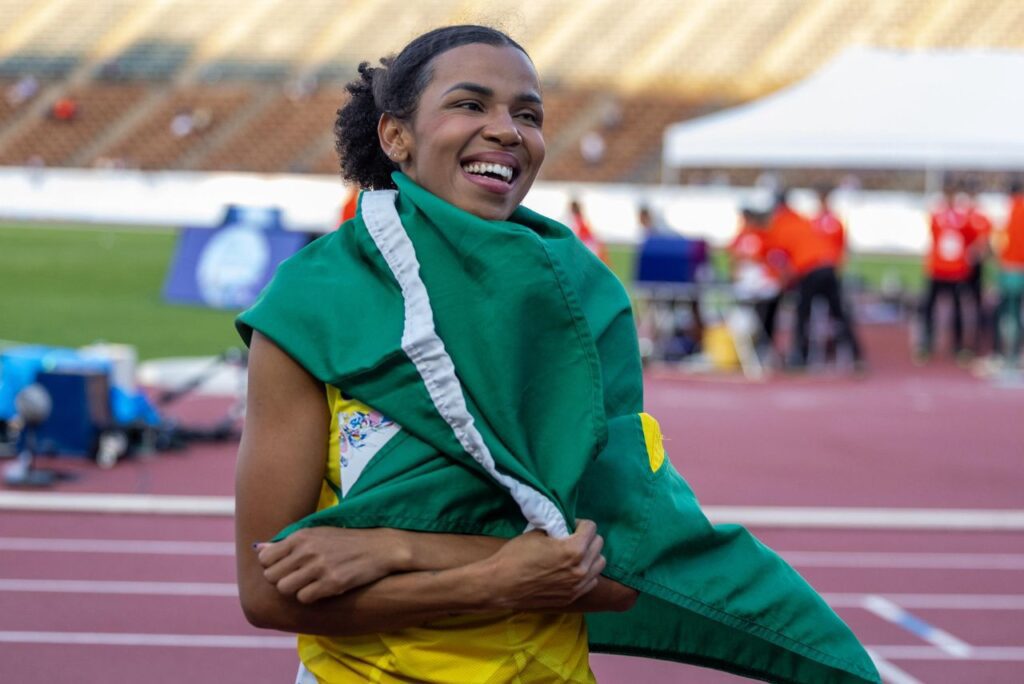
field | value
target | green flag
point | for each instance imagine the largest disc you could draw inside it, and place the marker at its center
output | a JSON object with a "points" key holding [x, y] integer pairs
{"points": [[507, 352]]}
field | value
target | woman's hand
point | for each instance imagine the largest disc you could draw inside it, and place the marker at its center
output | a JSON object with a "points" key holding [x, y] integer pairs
{"points": [[318, 562], [535, 572]]}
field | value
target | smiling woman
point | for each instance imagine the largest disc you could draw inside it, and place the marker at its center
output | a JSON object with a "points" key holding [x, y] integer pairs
{"points": [[446, 405], [459, 113]]}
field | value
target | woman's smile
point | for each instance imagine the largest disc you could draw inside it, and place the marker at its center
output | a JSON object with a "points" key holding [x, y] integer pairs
{"points": [[494, 171]]}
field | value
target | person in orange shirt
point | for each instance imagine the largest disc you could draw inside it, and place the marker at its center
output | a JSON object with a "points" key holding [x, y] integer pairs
{"points": [[947, 267], [812, 263], [979, 236], [1010, 253]]}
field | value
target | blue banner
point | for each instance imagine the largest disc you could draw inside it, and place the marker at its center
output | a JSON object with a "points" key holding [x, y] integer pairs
{"points": [[227, 267]]}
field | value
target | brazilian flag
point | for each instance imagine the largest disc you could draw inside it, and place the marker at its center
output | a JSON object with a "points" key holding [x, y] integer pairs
{"points": [[508, 354]]}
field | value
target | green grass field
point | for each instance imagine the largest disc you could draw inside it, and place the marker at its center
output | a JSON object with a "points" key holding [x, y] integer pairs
{"points": [[74, 285], [70, 286]]}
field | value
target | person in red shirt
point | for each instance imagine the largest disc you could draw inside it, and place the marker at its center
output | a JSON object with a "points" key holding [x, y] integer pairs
{"points": [[351, 206], [579, 225], [1010, 253], [812, 261], [830, 227], [756, 278], [65, 109], [947, 267]]}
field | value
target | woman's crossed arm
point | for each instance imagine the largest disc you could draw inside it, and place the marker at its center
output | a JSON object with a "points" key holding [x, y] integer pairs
{"points": [[346, 581]]}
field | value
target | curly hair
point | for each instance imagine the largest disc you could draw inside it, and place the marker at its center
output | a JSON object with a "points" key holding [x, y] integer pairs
{"points": [[394, 88]]}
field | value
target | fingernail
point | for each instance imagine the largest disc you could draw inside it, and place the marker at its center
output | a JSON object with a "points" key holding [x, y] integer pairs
{"points": [[257, 545]]}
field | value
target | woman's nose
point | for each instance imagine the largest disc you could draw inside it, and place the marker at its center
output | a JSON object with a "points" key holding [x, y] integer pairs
{"points": [[502, 129]]}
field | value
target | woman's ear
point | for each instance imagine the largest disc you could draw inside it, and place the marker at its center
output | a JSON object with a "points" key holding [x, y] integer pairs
{"points": [[394, 138]]}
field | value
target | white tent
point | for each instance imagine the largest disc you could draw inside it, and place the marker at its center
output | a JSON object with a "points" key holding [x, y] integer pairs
{"points": [[872, 109]]}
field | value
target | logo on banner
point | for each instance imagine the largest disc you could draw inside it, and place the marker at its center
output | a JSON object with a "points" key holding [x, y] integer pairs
{"points": [[232, 266]]}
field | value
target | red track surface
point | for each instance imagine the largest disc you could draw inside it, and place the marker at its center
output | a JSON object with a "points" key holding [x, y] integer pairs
{"points": [[902, 437]]}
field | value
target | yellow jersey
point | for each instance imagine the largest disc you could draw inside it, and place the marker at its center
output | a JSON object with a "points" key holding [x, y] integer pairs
{"points": [[505, 647]]}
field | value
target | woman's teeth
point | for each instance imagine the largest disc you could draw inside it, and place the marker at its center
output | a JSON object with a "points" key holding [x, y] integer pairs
{"points": [[484, 168]]}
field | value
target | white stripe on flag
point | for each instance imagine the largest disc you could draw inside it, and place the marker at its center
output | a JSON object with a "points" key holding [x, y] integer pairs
{"points": [[426, 350]]}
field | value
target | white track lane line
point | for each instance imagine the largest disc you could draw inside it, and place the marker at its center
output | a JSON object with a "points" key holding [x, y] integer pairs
{"points": [[118, 587], [991, 653], [890, 673], [869, 518], [66, 502], [127, 639], [988, 653], [915, 560], [821, 559], [891, 612], [836, 600], [126, 546], [933, 601], [754, 516]]}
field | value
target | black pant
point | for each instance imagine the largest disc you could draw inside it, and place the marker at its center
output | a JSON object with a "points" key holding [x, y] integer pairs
{"points": [[767, 310], [974, 288], [936, 287], [822, 282]]}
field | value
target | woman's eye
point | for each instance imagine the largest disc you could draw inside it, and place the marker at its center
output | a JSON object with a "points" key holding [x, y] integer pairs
{"points": [[473, 106], [532, 117]]}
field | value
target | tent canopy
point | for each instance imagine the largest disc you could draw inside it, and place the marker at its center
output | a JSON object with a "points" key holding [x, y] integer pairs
{"points": [[873, 109]]}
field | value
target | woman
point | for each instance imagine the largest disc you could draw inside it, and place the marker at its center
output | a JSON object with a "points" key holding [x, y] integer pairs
{"points": [[474, 370], [480, 109]]}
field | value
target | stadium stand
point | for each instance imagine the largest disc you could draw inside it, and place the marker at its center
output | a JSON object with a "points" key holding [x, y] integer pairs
{"points": [[325, 159], [155, 144], [50, 39], [271, 70], [14, 96], [53, 142], [276, 139], [631, 132], [146, 61], [275, 39]]}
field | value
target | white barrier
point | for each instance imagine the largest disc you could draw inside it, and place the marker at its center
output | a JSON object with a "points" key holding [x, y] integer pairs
{"points": [[877, 221], [164, 198]]}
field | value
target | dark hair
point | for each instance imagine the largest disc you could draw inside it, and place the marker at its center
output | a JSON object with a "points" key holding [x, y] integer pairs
{"points": [[395, 88]]}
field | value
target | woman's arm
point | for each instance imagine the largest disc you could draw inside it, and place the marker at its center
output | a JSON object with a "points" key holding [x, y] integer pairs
{"points": [[530, 573], [445, 551], [313, 564], [278, 478], [453, 550]]}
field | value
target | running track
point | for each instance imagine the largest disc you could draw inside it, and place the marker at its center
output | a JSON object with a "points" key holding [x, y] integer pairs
{"points": [[100, 598]]}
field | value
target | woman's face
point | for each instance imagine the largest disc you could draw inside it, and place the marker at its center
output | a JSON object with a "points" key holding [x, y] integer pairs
{"points": [[475, 139]]}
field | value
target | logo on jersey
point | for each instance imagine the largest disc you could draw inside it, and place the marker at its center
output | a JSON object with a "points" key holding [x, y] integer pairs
{"points": [[361, 436]]}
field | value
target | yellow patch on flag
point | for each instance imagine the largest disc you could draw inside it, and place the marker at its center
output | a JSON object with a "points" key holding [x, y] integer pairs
{"points": [[653, 440]]}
